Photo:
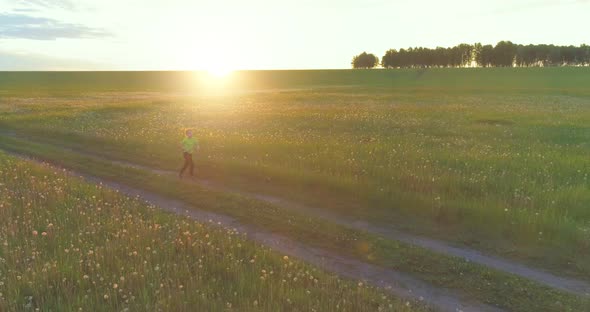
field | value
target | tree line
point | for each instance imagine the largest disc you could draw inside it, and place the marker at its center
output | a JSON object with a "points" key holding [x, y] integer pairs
{"points": [[503, 54]]}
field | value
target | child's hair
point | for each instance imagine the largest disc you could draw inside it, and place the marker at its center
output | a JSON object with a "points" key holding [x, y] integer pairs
{"points": [[187, 131]]}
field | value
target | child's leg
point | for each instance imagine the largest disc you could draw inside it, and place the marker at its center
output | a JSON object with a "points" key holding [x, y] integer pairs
{"points": [[185, 165], [191, 164]]}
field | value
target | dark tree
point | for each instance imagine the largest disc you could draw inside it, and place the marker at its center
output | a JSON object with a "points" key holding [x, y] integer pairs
{"points": [[504, 54], [440, 57], [390, 59], [568, 55], [555, 56], [365, 60], [526, 56], [583, 55], [465, 52], [477, 47], [486, 55]]}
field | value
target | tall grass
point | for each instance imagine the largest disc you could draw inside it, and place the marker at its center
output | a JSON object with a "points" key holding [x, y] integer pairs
{"points": [[67, 245]]}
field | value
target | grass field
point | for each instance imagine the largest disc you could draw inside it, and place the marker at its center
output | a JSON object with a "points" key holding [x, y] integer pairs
{"points": [[551, 80], [69, 246], [496, 159]]}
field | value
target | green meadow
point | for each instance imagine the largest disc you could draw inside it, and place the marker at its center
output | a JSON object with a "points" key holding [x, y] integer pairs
{"points": [[68, 245], [496, 159]]}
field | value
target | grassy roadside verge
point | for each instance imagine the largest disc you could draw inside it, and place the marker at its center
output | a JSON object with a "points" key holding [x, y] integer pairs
{"points": [[483, 284], [69, 245]]}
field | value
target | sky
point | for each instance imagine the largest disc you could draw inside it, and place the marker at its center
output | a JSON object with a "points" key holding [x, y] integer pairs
{"points": [[222, 35]]}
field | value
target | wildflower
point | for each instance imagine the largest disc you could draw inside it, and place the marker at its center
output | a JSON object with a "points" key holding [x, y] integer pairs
{"points": [[44, 234], [115, 286], [286, 258], [35, 233], [106, 296]]}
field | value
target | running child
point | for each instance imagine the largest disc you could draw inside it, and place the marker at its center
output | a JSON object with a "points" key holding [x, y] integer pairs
{"points": [[189, 145]]}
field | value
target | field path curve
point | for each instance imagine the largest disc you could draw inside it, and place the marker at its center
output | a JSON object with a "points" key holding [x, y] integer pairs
{"points": [[399, 284], [572, 285]]}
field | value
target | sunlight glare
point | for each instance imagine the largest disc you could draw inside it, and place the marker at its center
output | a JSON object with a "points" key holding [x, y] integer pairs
{"points": [[219, 72]]}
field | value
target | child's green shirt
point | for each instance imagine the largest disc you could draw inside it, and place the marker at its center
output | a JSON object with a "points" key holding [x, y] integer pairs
{"points": [[189, 144]]}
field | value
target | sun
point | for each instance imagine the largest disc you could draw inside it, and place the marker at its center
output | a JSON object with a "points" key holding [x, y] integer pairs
{"points": [[219, 71]]}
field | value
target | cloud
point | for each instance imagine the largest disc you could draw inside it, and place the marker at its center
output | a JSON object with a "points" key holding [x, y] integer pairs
{"points": [[515, 7], [60, 4], [25, 10], [20, 26], [10, 61]]}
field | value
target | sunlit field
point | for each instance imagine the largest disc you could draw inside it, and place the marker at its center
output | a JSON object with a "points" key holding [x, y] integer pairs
{"points": [[495, 159], [68, 245]]}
